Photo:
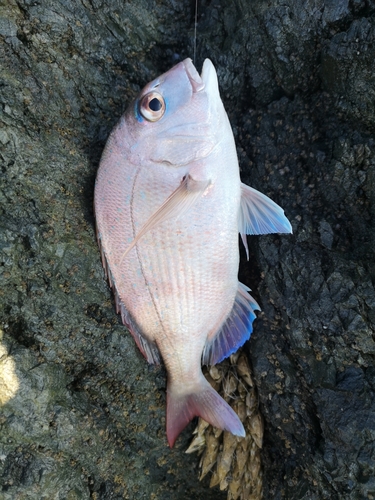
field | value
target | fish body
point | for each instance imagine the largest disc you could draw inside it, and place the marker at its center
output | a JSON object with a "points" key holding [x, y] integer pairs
{"points": [[169, 205]]}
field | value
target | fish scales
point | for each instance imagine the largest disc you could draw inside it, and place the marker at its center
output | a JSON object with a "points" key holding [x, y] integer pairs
{"points": [[169, 205]]}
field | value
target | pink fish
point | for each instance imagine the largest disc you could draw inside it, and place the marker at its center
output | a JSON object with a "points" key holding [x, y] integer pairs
{"points": [[169, 205]]}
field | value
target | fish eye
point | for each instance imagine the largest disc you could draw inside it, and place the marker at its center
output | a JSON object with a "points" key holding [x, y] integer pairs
{"points": [[152, 106]]}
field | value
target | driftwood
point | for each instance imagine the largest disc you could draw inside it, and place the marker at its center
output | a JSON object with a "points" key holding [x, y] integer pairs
{"points": [[82, 414]]}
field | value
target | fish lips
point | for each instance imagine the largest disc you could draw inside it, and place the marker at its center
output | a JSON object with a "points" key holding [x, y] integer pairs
{"points": [[196, 81], [207, 80]]}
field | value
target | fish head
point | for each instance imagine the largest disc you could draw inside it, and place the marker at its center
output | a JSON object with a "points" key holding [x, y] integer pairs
{"points": [[174, 120]]}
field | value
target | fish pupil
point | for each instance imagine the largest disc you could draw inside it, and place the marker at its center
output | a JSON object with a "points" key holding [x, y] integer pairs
{"points": [[155, 104]]}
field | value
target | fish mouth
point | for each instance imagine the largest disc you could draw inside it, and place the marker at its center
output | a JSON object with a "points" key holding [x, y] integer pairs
{"points": [[209, 78], [206, 80], [193, 75], [207, 69]]}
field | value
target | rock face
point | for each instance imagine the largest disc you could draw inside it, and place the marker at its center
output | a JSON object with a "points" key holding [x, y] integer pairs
{"points": [[82, 414]]}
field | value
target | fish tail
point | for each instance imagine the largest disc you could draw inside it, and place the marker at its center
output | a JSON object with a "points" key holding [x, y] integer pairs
{"points": [[202, 401]]}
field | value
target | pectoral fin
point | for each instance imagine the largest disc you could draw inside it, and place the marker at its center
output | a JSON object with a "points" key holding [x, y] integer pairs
{"points": [[177, 204], [260, 215]]}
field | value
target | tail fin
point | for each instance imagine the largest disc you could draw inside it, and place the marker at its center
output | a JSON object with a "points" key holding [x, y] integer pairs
{"points": [[202, 401]]}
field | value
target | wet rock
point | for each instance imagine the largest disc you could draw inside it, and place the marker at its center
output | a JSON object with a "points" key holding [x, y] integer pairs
{"points": [[346, 70], [315, 337]]}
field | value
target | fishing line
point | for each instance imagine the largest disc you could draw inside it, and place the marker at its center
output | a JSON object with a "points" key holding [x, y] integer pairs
{"points": [[195, 29]]}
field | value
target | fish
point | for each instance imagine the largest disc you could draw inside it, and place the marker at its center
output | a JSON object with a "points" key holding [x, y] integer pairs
{"points": [[169, 206]]}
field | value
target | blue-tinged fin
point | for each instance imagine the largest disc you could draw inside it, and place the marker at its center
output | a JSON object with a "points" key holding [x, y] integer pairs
{"points": [[260, 215], [235, 331]]}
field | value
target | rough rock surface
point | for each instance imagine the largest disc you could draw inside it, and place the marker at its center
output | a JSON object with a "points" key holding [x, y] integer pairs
{"points": [[82, 415]]}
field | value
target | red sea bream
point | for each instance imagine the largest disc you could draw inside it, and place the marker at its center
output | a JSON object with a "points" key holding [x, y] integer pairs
{"points": [[169, 205]]}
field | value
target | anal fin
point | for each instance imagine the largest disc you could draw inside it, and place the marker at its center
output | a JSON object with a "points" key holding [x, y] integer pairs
{"points": [[236, 329]]}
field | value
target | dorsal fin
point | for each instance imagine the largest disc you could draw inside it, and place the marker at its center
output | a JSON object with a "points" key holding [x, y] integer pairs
{"points": [[235, 330], [147, 348]]}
